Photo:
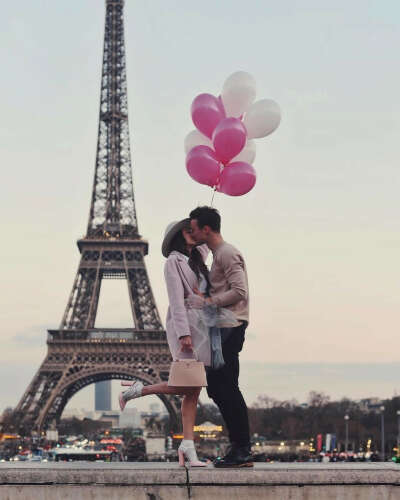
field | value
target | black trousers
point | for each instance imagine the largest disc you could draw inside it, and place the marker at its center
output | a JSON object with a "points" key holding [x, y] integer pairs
{"points": [[223, 387]]}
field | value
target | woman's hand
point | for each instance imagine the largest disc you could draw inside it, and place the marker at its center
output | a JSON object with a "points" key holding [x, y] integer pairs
{"points": [[186, 343], [199, 305], [197, 292]]}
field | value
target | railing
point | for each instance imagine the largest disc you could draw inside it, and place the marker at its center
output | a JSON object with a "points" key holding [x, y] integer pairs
{"points": [[105, 334]]}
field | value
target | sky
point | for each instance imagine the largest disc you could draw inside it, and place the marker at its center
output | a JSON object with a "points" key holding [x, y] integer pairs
{"points": [[319, 232]]}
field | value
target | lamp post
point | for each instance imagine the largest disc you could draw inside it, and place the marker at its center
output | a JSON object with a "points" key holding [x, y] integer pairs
{"points": [[398, 433], [346, 420], [382, 409]]}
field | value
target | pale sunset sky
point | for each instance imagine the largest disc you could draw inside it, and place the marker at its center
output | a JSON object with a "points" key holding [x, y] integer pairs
{"points": [[319, 232]]}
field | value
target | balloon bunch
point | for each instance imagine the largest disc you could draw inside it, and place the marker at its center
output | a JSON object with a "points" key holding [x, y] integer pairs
{"points": [[221, 151]]}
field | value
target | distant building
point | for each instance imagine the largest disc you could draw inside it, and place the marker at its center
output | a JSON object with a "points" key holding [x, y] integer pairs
{"points": [[281, 447], [155, 408], [102, 396], [111, 417], [369, 405], [80, 413], [130, 417], [208, 430], [155, 445]]}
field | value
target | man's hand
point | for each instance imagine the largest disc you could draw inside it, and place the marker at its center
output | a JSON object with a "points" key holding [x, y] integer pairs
{"points": [[195, 301], [186, 343], [207, 300]]}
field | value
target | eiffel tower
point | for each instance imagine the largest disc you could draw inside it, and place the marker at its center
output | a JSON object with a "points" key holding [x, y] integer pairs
{"points": [[78, 353]]}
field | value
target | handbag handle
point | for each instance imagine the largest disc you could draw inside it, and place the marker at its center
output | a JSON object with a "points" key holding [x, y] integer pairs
{"points": [[195, 355]]}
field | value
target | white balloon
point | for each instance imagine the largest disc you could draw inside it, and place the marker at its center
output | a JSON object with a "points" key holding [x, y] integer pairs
{"points": [[262, 118], [248, 153], [238, 92], [196, 138]]}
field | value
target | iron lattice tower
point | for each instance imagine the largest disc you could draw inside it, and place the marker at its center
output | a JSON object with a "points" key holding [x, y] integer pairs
{"points": [[78, 353]]}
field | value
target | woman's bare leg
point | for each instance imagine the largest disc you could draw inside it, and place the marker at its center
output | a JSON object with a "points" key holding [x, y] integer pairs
{"points": [[189, 403], [164, 388], [189, 409]]}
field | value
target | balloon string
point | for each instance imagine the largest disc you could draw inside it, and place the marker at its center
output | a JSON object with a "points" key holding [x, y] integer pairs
{"points": [[212, 199], [221, 168]]}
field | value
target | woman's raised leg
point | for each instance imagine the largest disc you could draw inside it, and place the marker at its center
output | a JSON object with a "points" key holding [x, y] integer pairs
{"points": [[137, 390]]}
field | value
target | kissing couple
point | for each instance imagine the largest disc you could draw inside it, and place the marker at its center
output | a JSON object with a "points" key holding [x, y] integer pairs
{"points": [[192, 287]]}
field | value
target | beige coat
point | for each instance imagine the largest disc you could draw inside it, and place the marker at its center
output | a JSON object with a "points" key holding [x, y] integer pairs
{"points": [[181, 282]]}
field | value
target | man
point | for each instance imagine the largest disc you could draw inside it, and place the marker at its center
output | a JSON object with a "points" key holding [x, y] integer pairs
{"points": [[229, 288]]}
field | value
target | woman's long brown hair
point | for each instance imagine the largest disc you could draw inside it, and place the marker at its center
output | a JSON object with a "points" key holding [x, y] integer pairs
{"points": [[196, 262]]}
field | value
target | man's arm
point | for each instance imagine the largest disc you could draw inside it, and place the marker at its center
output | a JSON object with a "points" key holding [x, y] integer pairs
{"points": [[233, 268]]}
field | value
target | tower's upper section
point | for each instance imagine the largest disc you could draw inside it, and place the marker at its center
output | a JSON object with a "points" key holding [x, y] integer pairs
{"points": [[112, 211]]}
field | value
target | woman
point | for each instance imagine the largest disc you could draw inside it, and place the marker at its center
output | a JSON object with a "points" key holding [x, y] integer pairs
{"points": [[185, 274]]}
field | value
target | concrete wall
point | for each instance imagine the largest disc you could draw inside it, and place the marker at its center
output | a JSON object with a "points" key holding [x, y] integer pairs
{"points": [[160, 481]]}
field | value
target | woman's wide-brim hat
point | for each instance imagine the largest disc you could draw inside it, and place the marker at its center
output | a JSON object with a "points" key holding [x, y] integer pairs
{"points": [[171, 231]]}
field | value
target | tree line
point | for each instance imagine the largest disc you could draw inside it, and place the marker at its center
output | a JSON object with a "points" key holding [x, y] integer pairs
{"points": [[288, 420]]}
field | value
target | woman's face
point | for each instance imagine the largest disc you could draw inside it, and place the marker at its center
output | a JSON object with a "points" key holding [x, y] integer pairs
{"points": [[187, 234]]}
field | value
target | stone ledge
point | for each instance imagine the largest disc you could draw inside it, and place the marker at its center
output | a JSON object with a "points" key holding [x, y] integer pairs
{"points": [[84, 473], [300, 475], [130, 473], [161, 481]]}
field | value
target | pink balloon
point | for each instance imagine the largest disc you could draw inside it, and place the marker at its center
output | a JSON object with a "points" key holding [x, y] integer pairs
{"points": [[229, 138], [207, 112], [203, 166], [237, 178]]}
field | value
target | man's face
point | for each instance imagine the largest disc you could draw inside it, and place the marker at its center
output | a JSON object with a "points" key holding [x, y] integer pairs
{"points": [[199, 235]]}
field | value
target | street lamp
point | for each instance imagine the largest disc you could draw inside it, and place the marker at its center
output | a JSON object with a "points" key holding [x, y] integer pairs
{"points": [[398, 433], [346, 419], [382, 409]]}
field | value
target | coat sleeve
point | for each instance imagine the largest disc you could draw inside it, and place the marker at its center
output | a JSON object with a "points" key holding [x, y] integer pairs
{"points": [[176, 298]]}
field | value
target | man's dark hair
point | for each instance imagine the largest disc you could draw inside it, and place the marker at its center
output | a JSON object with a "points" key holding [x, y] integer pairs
{"points": [[207, 216]]}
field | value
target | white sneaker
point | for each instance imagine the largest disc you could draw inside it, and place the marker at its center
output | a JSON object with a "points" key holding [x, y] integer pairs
{"points": [[134, 391]]}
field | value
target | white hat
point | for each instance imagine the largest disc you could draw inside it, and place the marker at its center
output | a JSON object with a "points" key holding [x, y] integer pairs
{"points": [[172, 229]]}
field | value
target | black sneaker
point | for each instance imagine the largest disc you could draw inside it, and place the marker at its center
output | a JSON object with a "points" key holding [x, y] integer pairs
{"points": [[236, 457], [228, 453]]}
